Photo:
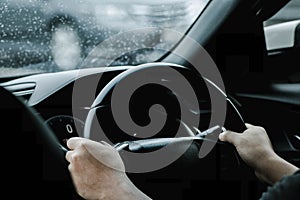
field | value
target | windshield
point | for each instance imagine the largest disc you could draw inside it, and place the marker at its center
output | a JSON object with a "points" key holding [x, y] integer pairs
{"points": [[38, 36]]}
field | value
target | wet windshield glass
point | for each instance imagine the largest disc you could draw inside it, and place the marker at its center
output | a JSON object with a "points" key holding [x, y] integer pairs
{"points": [[56, 35]]}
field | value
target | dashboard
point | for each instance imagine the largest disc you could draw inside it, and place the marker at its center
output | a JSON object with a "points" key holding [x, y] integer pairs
{"points": [[50, 94], [64, 100]]}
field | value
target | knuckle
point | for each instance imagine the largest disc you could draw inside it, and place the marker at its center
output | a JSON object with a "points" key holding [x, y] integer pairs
{"points": [[260, 128], [67, 156], [70, 168]]}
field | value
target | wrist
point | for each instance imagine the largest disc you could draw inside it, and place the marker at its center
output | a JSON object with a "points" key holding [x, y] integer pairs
{"points": [[272, 168], [128, 191]]}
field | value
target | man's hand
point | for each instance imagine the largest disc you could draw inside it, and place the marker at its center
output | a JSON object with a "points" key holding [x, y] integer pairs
{"points": [[255, 148], [98, 171]]}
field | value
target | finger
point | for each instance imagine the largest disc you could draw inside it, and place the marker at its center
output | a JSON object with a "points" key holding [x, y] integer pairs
{"points": [[68, 156], [74, 142], [104, 143], [230, 136], [248, 125]]}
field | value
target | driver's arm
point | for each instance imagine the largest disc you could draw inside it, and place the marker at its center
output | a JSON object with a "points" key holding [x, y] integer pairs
{"points": [[255, 148], [98, 172]]}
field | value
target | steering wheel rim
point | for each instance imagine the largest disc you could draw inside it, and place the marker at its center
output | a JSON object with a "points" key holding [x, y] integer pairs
{"points": [[112, 84], [44, 171], [187, 165], [109, 86]]}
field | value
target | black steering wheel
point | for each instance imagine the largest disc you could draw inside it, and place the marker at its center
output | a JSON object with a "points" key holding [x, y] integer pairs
{"points": [[141, 88], [32, 160]]}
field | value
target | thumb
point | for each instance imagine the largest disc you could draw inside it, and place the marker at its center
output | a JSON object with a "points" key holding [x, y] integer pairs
{"points": [[230, 136]]}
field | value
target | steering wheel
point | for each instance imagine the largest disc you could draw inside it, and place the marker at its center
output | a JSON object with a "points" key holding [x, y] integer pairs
{"points": [[33, 162], [138, 91]]}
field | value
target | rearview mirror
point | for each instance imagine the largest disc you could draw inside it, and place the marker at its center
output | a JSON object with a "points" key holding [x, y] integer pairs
{"points": [[282, 36]]}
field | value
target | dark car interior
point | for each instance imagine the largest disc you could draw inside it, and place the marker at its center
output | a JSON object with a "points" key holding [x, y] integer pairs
{"points": [[262, 88]]}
